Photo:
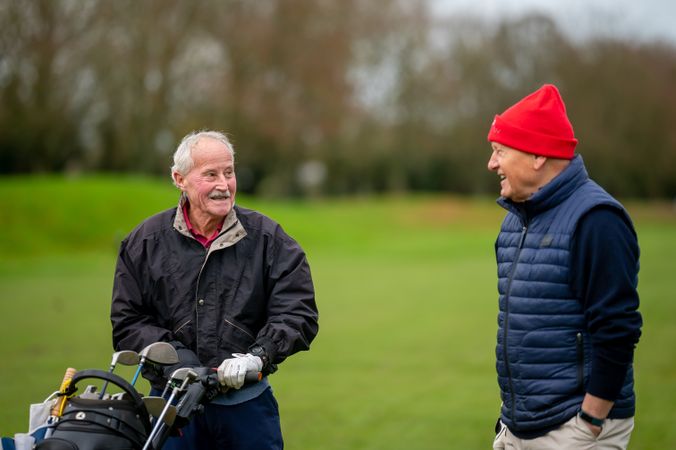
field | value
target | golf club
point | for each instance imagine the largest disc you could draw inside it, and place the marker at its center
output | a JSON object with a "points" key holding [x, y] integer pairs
{"points": [[125, 357], [161, 353], [155, 406], [192, 400], [179, 379]]}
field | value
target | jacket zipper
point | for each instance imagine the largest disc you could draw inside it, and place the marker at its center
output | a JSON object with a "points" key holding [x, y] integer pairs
{"points": [[197, 305], [524, 230], [197, 290], [182, 326], [239, 328]]}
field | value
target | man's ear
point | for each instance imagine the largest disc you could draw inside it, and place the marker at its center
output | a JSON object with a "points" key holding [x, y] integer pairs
{"points": [[179, 180], [539, 162]]}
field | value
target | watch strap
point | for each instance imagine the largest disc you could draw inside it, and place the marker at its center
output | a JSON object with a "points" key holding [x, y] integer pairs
{"points": [[259, 351], [591, 419]]}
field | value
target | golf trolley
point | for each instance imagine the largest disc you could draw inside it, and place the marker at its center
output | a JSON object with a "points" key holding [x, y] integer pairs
{"points": [[127, 420]]}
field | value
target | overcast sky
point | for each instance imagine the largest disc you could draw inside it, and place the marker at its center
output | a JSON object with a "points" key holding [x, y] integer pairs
{"points": [[640, 19]]}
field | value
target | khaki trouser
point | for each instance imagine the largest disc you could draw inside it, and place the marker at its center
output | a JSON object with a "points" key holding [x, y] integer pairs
{"points": [[572, 435]]}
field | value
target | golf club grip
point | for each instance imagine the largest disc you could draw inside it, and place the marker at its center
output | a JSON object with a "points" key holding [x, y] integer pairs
{"points": [[253, 377], [249, 377], [58, 406]]}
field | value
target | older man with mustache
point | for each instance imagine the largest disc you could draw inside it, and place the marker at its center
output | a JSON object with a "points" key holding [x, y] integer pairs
{"points": [[226, 286]]}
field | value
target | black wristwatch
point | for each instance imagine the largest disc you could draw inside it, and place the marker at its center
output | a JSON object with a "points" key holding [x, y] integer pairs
{"points": [[259, 351], [590, 419]]}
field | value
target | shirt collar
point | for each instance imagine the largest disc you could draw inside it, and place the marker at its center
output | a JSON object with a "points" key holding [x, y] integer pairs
{"points": [[204, 240], [182, 223]]}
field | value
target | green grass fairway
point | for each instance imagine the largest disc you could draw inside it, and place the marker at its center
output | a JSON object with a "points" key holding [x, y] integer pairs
{"points": [[407, 295]]}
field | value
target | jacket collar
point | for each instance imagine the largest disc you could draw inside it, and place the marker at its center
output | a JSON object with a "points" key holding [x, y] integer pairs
{"points": [[231, 233], [553, 193]]}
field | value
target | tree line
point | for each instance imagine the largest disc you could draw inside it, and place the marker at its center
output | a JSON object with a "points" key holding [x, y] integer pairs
{"points": [[319, 97]]}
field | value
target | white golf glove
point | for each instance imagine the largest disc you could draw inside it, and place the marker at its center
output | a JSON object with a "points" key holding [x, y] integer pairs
{"points": [[232, 371]]}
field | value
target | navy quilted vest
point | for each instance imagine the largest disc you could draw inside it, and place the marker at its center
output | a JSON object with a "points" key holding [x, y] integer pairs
{"points": [[543, 349]]}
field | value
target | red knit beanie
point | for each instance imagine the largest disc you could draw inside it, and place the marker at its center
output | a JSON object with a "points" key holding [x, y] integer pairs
{"points": [[537, 124]]}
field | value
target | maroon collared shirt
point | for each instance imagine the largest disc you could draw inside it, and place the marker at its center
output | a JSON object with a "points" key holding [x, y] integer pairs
{"points": [[205, 241]]}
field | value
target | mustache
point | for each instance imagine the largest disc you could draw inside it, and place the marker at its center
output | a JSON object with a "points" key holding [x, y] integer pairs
{"points": [[219, 195]]}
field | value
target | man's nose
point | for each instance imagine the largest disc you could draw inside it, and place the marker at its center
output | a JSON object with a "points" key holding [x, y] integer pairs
{"points": [[492, 163]]}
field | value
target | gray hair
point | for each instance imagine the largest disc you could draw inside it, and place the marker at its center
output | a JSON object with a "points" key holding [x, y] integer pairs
{"points": [[183, 162]]}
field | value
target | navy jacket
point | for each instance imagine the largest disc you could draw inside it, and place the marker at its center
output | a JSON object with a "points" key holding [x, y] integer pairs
{"points": [[558, 335]]}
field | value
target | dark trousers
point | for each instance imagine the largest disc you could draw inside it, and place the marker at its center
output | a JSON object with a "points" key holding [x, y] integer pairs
{"points": [[252, 425]]}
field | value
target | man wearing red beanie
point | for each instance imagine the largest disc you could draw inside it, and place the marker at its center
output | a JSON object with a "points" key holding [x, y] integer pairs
{"points": [[568, 261]]}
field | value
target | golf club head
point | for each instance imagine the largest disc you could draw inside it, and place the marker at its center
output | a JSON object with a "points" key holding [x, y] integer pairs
{"points": [[162, 353], [155, 406], [126, 358], [183, 373]]}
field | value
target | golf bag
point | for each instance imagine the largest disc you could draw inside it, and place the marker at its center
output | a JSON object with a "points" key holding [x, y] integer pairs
{"points": [[93, 424]]}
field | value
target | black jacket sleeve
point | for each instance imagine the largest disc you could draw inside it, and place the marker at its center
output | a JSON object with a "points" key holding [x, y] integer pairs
{"points": [[604, 273], [292, 320], [134, 325]]}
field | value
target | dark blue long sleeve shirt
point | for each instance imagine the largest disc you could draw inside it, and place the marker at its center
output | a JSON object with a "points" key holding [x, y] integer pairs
{"points": [[604, 269]]}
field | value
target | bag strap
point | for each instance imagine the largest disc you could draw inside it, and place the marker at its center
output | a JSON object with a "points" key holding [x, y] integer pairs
{"points": [[109, 422], [118, 381]]}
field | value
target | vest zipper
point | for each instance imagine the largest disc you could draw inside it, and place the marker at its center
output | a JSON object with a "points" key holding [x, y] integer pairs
{"points": [[524, 230], [580, 362]]}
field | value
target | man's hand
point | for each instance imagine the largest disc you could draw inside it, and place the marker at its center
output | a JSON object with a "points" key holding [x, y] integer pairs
{"points": [[596, 407], [596, 431], [232, 371]]}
